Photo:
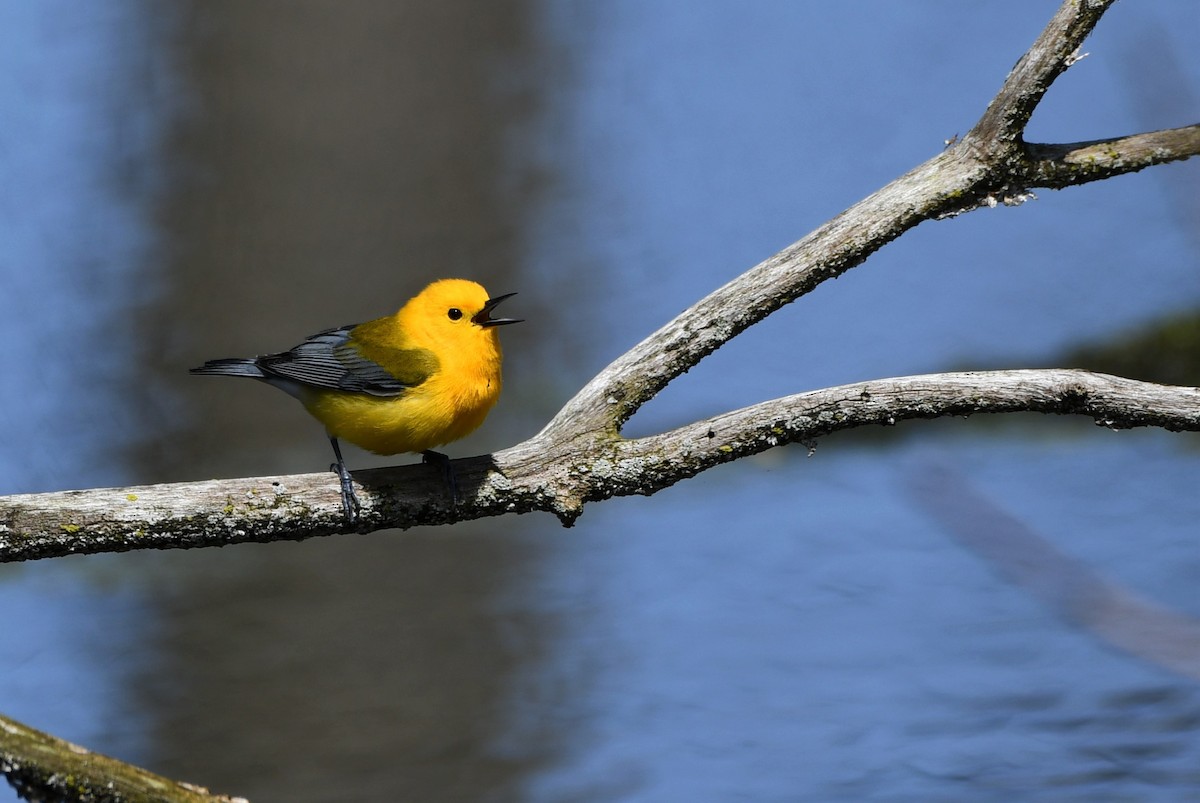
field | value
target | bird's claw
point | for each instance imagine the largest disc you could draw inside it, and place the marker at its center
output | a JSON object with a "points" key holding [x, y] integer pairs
{"points": [[431, 457], [350, 503]]}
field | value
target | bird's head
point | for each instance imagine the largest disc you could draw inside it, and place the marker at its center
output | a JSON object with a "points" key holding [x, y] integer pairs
{"points": [[453, 311]]}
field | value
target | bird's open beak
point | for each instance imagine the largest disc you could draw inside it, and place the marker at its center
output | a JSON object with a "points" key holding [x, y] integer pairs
{"points": [[483, 317]]}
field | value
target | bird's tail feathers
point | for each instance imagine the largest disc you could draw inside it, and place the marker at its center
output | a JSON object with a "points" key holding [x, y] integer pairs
{"points": [[234, 366]]}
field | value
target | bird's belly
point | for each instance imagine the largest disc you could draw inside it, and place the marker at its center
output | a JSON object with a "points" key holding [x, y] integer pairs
{"points": [[423, 418]]}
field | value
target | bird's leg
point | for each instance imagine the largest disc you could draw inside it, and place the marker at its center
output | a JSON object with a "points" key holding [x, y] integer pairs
{"points": [[431, 457], [350, 503]]}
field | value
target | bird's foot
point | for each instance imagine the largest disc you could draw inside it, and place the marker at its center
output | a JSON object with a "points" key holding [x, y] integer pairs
{"points": [[350, 504], [431, 457]]}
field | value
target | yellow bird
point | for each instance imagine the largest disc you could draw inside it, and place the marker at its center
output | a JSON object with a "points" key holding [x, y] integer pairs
{"points": [[407, 382]]}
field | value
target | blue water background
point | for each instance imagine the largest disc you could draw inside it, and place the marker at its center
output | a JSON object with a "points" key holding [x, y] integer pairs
{"points": [[788, 627]]}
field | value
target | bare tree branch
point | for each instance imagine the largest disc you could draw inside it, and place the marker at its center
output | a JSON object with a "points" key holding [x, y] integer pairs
{"points": [[554, 475], [1058, 166], [990, 165], [43, 767], [1056, 49], [580, 456]]}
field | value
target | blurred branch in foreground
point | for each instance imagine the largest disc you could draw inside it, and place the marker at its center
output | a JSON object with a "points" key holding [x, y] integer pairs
{"points": [[44, 768]]}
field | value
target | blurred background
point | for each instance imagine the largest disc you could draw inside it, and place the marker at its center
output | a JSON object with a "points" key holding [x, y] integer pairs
{"points": [[194, 180]]}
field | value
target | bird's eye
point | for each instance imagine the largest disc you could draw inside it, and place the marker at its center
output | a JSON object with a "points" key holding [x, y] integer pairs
{"points": [[455, 313]]}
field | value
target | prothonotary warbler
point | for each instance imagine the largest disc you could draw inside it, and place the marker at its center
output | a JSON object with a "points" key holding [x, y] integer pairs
{"points": [[407, 382]]}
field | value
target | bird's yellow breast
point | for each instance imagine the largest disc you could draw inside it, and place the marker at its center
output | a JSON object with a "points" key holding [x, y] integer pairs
{"points": [[449, 405]]}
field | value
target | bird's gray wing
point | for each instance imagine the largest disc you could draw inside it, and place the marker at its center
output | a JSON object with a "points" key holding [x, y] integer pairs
{"points": [[331, 360]]}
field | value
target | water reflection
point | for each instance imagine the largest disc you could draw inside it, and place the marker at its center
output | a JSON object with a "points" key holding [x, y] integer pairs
{"points": [[88, 95], [88, 100], [346, 155]]}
